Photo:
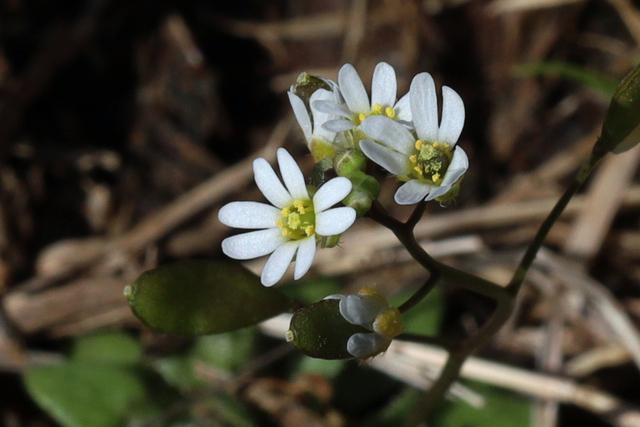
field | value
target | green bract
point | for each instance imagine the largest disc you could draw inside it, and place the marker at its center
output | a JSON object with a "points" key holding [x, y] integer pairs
{"points": [[319, 330], [198, 297], [621, 128]]}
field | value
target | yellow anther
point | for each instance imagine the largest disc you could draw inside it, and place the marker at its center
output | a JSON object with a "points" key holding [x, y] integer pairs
{"points": [[371, 291], [280, 224], [447, 147], [286, 231], [435, 177], [436, 144], [390, 323], [413, 158], [309, 230], [285, 212], [361, 117], [377, 108], [419, 170], [419, 144], [298, 204], [390, 112]]}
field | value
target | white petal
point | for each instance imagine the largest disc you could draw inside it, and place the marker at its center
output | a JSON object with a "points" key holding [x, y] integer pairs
{"points": [[452, 117], [394, 162], [334, 221], [366, 344], [269, 184], [338, 125], [278, 263], [424, 106], [353, 90], [301, 113], [335, 296], [319, 117], [330, 107], [253, 244], [250, 215], [304, 256], [292, 175], [361, 311], [332, 192], [458, 166], [412, 192], [403, 108], [384, 85], [390, 133]]}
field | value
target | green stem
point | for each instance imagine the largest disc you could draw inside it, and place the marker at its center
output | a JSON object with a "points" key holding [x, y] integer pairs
{"points": [[518, 276], [422, 292]]}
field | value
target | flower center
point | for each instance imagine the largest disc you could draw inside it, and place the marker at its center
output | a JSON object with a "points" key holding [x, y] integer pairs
{"points": [[389, 323], [298, 220], [377, 110], [431, 161]]}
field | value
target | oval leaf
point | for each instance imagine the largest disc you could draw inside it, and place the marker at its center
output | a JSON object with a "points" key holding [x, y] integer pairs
{"points": [[198, 297], [319, 330]]}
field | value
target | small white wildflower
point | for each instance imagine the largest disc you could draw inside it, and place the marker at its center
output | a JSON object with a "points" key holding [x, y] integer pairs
{"points": [[356, 106], [370, 309], [290, 227], [431, 163]]}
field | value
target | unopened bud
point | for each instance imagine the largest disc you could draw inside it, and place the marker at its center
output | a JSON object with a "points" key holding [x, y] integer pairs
{"points": [[347, 162], [621, 128], [307, 84], [365, 190]]}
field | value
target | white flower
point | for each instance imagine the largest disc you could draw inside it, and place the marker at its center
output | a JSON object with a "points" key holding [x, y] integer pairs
{"points": [[290, 227], [357, 106], [319, 140], [370, 309], [431, 163]]}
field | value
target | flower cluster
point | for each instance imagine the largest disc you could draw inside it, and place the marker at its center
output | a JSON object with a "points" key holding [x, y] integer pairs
{"points": [[370, 309], [344, 130]]}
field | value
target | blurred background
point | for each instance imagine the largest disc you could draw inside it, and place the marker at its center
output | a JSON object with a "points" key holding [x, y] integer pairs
{"points": [[124, 126]]}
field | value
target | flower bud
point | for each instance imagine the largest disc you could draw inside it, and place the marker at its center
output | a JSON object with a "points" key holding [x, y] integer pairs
{"points": [[307, 84], [348, 162], [365, 190], [621, 128]]}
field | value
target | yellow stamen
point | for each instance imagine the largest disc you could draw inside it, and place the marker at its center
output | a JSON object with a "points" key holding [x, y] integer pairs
{"points": [[435, 177], [389, 324], [309, 230], [447, 147], [436, 144], [300, 206], [413, 158], [390, 112], [419, 170], [370, 291], [377, 108], [285, 211], [286, 231], [419, 144], [280, 224], [361, 117]]}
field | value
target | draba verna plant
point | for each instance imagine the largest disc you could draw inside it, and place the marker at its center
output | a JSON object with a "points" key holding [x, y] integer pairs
{"points": [[414, 138]]}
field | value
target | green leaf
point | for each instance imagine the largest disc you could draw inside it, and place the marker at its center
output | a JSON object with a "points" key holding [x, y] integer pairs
{"points": [[319, 330], [82, 395], [502, 409], [178, 371], [198, 297], [227, 351], [108, 348], [600, 83]]}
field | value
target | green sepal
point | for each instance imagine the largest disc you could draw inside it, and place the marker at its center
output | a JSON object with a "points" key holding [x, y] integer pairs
{"points": [[306, 85], [621, 127], [319, 330], [365, 190], [199, 297], [347, 162]]}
